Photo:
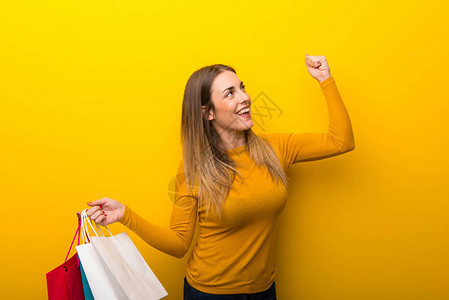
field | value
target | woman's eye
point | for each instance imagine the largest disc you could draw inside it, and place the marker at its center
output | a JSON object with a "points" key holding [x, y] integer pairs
{"points": [[243, 87]]}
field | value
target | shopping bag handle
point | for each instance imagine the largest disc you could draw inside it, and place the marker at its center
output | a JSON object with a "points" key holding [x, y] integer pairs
{"points": [[101, 231], [77, 233], [84, 235], [84, 229]]}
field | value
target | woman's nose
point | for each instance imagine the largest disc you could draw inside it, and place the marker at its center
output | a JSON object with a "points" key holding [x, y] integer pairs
{"points": [[245, 97]]}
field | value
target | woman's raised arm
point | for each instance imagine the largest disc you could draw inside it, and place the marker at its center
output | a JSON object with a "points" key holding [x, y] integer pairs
{"points": [[337, 140], [308, 146]]}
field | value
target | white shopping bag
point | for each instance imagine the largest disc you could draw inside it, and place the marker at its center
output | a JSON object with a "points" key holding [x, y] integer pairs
{"points": [[102, 282], [127, 265]]}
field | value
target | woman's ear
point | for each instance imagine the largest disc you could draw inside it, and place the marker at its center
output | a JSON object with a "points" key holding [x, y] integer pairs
{"points": [[211, 114]]}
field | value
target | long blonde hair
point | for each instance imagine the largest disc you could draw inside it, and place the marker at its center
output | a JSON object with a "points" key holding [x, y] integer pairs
{"points": [[205, 162]]}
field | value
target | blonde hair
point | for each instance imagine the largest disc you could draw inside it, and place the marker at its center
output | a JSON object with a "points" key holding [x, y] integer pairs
{"points": [[205, 162]]}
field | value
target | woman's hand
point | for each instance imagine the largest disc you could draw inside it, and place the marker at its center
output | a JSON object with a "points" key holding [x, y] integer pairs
{"points": [[105, 211], [318, 67]]}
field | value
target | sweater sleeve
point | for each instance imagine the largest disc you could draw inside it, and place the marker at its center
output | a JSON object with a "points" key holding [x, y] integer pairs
{"points": [[308, 146], [176, 239]]}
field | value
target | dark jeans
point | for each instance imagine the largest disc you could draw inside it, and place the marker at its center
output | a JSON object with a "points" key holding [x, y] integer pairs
{"points": [[191, 293]]}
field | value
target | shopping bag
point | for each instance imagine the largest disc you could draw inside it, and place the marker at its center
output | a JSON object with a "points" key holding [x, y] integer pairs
{"points": [[101, 281], [87, 291], [64, 282], [137, 263], [127, 264], [129, 267]]}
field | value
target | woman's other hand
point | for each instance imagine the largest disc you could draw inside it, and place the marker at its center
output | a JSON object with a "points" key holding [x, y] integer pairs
{"points": [[105, 211], [317, 67]]}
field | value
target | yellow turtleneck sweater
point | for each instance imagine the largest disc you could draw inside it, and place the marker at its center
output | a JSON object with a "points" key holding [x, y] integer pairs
{"points": [[236, 254]]}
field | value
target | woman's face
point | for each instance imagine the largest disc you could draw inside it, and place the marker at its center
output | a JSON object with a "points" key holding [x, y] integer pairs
{"points": [[230, 100]]}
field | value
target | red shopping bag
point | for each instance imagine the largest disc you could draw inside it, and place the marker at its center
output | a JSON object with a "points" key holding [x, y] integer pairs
{"points": [[64, 282]]}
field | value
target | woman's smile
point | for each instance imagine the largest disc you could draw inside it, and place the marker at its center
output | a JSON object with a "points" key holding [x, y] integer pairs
{"points": [[244, 112]]}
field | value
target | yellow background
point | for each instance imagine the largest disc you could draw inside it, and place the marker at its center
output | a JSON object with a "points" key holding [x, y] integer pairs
{"points": [[91, 95]]}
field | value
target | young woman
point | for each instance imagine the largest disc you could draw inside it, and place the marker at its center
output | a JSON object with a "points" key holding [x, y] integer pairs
{"points": [[234, 182]]}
